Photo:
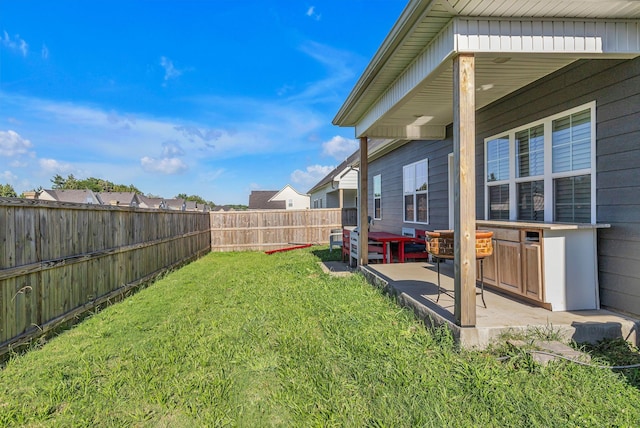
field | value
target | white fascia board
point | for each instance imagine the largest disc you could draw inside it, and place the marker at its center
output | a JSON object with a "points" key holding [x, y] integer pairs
{"points": [[620, 38]]}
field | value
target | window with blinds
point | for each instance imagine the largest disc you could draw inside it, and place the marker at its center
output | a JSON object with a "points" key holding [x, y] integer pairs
{"points": [[530, 151], [573, 199], [556, 154], [572, 142], [498, 159], [499, 202]]}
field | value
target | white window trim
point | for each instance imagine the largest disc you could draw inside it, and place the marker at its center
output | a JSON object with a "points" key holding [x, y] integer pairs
{"points": [[548, 176], [415, 209], [374, 197]]}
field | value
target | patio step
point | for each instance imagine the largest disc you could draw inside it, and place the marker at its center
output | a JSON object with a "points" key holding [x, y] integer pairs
{"points": [[545, 351]]}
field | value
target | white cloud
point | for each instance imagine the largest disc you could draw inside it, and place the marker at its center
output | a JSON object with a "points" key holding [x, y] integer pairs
{"points": [[203, 134], [170, 72], [311, 13], [125, 122], [340, 67], [339, 147], [12, 144], [8, 177], [167, 166], [18, 164], [45, 52], [212, 175], [311, 176], [52, 166], [15, 44], [171, 149], [272, 127], [284, 89]]}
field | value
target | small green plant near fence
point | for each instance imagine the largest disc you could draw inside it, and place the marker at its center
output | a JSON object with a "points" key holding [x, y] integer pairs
{"points": [[249, 339]]}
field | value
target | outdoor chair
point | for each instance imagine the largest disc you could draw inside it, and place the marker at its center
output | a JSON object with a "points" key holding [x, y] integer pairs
{"points": [[417, 250], [335, 239]]}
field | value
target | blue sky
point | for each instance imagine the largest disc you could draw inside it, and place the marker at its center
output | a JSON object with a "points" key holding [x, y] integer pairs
{"points": [[215, 98]]}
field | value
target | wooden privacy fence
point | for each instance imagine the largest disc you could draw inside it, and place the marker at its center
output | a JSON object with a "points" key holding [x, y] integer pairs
{"points": [[264, 230], [59, 260]]}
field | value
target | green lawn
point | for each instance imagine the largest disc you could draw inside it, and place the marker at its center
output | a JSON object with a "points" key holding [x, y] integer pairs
{"points": [[252, 340]]}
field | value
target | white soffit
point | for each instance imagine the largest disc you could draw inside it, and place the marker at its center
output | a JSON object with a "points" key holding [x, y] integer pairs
{"points": [[510, 53]]}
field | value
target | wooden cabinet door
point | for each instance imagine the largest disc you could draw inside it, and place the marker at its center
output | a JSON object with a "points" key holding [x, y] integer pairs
{"points": [[509, 265], [488, 268], [532, 271]]}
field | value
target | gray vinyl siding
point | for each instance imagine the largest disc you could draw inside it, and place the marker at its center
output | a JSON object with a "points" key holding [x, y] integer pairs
{"points": [[615, 86], [390, 168]]}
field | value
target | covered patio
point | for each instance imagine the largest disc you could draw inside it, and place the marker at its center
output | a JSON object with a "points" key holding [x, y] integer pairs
{"points": [[415, 287], [440, 64]]}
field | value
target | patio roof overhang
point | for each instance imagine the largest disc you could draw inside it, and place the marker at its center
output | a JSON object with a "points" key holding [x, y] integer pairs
{"points": [[406, 91]]}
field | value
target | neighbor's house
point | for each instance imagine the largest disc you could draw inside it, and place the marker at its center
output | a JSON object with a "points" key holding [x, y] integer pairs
{"points": [[288, 198], [339, 189], [120, 199], [514, 115], [176, 204], [261, 200], [195, 206], [152, 203], [72, 196]]}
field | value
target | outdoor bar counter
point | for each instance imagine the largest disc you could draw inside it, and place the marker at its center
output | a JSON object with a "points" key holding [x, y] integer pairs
{"points": [[553, 265]]}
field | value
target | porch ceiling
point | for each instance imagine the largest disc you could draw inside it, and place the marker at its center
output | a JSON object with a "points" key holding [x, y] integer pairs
{"points": [[429, 109], [406, 92]]}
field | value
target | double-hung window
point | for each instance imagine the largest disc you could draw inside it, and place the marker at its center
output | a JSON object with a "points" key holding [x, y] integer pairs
{"points": [[543, 171], [416, 192], [377, 197]]}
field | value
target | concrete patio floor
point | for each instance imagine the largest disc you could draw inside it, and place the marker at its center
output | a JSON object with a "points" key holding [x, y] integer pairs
{"points": [[415, 286]]}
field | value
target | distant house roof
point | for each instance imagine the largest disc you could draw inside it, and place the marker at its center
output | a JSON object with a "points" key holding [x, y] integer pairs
{"points": [[337, 171], [154, 203], [261, 200], [84, 196], [283, 192], [123, 199], [222, 208], [176, 204], [197, 206]]}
